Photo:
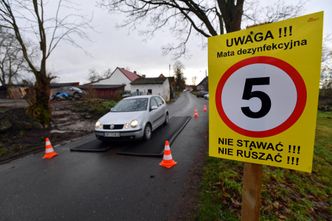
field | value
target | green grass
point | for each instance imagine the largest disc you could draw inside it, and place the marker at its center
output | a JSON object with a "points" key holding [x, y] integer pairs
{"points": [[286, 194], [3, 151]]}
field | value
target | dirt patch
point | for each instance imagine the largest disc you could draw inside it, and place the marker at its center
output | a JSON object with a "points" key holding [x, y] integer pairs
{"points": [[20, 135], [7, 104]]}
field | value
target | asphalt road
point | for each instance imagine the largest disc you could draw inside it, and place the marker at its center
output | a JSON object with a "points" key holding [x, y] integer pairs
{"points": [[104, 186]]}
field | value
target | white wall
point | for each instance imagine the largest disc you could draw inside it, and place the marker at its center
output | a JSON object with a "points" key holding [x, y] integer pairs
{"points": [[157, 89], [117, 78]]}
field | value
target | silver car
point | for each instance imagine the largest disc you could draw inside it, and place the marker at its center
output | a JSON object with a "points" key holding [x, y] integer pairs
{"points": [[133, 117]]}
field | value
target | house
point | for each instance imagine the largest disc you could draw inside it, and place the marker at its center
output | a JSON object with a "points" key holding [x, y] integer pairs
{"points": [[120, 76], [157, 86], [203, 85], [172, 86]]}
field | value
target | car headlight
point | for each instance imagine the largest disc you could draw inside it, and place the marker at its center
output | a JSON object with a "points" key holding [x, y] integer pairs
{"points": [[126, 126], [134, 123], [98, 125]]}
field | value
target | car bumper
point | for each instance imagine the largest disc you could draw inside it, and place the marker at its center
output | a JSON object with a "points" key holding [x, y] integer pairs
{"points": [[133, 134]]}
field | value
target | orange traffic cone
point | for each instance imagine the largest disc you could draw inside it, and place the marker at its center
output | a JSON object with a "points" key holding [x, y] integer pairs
{"points": [[195, 113], [204, 108], [49, 151], [167, 161]]}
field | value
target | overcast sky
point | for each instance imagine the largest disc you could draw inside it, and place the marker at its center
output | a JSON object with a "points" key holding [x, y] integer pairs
{"points": [[112, 47]]}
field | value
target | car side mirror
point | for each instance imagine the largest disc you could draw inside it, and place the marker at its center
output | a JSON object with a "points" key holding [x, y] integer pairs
{"points": [[154, 107]]}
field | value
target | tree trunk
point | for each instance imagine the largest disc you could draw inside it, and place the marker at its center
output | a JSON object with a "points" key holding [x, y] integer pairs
{"points": [[40, 106]]}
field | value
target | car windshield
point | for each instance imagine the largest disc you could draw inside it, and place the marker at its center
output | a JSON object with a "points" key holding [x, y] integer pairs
{"points": [[76, 89], [131, 105]]}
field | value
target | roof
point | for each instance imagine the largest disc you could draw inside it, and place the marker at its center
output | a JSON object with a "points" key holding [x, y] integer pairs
{"points": [[203, 81], [102, 86], [130, 75], [55, 85], [140, 81]]}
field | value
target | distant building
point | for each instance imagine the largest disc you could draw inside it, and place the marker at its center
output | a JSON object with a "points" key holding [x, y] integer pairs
{"points": [[120, 76], [190, 87], [203, 85], [157, 86]]}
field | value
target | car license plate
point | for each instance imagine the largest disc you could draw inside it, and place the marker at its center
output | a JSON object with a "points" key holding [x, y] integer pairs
{"points": [[112, 134]]}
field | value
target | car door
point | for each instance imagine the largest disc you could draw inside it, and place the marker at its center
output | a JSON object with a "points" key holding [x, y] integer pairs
{"points": [[161, 109], [154, 112]]}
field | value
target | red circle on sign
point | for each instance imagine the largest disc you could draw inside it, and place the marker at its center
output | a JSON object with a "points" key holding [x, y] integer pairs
{"points": [[291, 72]]}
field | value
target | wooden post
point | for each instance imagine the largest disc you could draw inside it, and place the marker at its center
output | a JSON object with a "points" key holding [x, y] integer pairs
{"points": [[251, 192]]}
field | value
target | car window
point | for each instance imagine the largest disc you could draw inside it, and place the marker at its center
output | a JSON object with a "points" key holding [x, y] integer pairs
{"points": [[159, 101], [153, 102], [75, 89], [131, 105]]}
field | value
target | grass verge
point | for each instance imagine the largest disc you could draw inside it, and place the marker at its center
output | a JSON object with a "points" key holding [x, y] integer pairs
{"points": [[286, 194]]}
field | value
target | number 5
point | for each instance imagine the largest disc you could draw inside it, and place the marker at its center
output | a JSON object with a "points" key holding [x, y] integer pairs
{"points": [[264, 98]]}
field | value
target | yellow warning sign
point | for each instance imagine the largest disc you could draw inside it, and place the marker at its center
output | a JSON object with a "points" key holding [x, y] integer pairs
{"points": [[263, 86]]}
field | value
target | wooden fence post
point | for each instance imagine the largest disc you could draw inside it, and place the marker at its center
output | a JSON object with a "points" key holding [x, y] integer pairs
{"points": [[251, 192]]}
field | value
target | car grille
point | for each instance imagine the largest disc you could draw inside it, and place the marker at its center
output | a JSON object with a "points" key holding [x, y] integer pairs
{"points": [[112, 126]]}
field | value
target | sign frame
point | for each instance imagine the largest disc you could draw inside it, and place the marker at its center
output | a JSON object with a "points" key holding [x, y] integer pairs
{"points": [[287, 46]]}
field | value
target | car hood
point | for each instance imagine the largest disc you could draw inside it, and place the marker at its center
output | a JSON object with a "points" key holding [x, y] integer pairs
{"points": [[121, 117]]}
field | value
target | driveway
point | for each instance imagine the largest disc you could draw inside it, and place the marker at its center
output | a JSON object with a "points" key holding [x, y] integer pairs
{"points": [[106, 186]]}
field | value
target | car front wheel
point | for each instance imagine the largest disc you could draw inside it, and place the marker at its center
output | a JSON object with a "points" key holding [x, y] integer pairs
{"points": [[166, 119], [147, 132]]}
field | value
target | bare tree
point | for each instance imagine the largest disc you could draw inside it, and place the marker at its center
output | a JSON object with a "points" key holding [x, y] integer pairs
{"points": [[11, 58], [95, 76], [325, 94], [255, 14], [187, 17], [180, 80], [208, 18], [30, 17], [326, 68]]}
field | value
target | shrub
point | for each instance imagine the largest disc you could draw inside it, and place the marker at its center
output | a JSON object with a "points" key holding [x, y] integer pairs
{"points": [[94, 107]]}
